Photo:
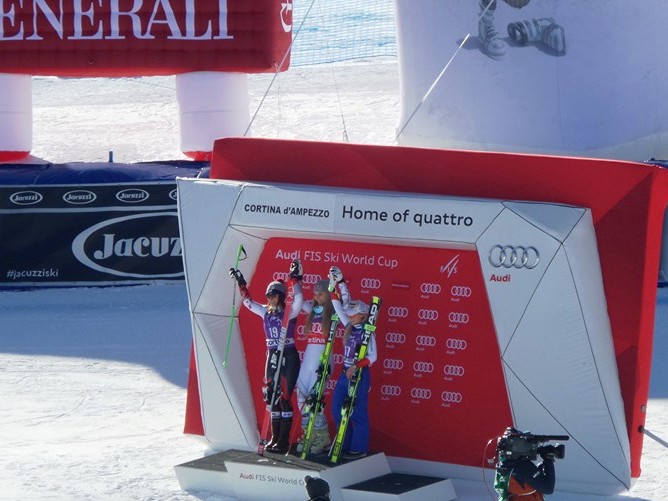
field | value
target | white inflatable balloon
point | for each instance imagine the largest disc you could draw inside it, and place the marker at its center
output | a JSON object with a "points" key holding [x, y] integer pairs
{"points": [[211, 105], [15, 116], [567, 77]]}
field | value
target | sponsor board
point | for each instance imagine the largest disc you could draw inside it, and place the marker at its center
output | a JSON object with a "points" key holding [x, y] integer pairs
{"points": [[431, 350], [90, 234]]}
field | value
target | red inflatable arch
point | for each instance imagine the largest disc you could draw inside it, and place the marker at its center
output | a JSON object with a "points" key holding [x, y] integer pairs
{"points": [[140, 38]]}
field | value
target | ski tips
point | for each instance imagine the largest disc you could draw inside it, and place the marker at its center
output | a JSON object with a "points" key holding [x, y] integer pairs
{"points": [[241, 253]]}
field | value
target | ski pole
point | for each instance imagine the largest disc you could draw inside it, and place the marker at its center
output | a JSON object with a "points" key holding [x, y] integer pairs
{"points": [[240, 251]]}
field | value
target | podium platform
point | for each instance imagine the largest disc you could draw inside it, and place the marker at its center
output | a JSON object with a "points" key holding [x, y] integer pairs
{"points": [[248, 476]]}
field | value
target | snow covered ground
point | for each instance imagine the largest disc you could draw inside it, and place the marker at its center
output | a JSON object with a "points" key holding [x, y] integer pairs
{"points": [[93, 380]]}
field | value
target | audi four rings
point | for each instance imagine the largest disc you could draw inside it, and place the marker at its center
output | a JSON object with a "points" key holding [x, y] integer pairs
{"points": [[458, 318], [427, 314], [451, 397], [393, 364], [456, 344], [308, 279], [370, 283], [397, 311], [453, 370], [425, 340], [427, 288], [424, 367], [510, 256], [421, 393], [389, 390], [395, 338], [460, 291]]}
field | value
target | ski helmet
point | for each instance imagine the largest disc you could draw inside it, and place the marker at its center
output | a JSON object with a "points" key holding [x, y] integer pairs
{"points": [[275, 287], [357, 306]]}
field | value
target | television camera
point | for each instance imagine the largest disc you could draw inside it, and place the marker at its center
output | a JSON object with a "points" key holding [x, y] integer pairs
{"points": [[514, 444]]}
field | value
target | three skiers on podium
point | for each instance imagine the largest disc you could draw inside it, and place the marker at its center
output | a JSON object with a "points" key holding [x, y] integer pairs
{"points": [[326, 301]]}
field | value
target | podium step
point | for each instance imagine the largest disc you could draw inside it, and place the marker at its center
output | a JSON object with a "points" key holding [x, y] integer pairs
{"points": [[247, 476], [400, 487]]}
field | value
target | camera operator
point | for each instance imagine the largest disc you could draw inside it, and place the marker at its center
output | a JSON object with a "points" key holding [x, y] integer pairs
{"points": [[316, 488], [519, 478]]}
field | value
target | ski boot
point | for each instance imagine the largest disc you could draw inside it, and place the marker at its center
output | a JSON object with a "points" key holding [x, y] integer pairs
{"points": [[491, 42], [543, 30]]}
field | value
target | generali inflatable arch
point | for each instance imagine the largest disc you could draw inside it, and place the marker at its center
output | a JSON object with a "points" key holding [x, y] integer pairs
{"points": [[210, 46], [467, 347], [563, 77]]}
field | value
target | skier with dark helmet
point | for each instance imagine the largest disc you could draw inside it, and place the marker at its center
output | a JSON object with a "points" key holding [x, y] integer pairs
{"points": [[272, 318]]}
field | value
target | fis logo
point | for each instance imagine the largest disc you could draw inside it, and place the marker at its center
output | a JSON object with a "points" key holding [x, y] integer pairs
{"points": [[450, 268]]}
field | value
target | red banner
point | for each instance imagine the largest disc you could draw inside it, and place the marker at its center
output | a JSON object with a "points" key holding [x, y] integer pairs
{"points": [[438, 365], [143, 37]]}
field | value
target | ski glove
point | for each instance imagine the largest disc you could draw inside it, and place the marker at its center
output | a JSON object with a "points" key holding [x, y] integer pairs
{"points": [[238, 276], [296, 270]]}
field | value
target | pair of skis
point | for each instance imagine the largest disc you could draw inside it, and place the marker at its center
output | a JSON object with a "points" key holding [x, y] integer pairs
{"points": [[349, 402], [315, 402]]}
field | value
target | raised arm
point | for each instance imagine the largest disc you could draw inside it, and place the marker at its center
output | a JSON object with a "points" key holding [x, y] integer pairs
{"points": [[253, 306], [296, 274]]}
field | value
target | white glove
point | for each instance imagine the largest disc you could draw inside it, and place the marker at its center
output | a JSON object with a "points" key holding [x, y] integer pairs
{"points": [[335, 275]]}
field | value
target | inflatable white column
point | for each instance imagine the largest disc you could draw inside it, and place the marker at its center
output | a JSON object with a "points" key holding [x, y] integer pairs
{"points": [[211, 105], [15, 116]]}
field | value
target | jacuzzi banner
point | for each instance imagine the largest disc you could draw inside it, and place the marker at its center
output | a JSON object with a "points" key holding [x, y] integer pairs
{"points": [[573, 77], [89, 234]]}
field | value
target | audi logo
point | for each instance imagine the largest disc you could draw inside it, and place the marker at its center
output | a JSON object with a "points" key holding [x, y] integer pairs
{"points": [[421, 393], [370, 283], [460, 291], [308, 278], [393, 364], [427, 288], [428, 314], [397, 311], [451, 397], [425, 367], [389, 390], [453, 370], [395, 338], [458, 318], [517, 257], [331, 383], [455, 344], [337, 358], [425, 341]]}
